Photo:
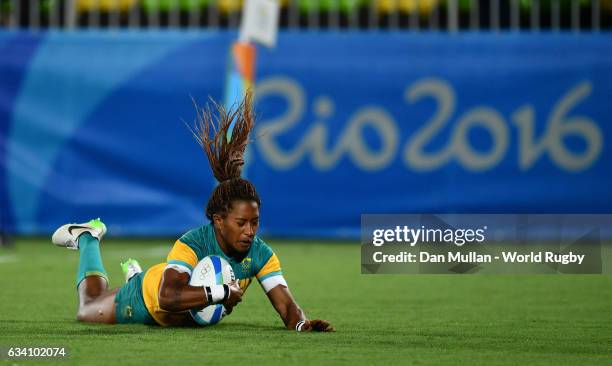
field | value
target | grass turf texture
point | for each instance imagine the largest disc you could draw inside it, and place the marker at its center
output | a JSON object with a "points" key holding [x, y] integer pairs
{"points": [[381, 319]]}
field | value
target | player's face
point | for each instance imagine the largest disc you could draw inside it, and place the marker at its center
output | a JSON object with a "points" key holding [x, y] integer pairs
{"points": [[238, 228]]}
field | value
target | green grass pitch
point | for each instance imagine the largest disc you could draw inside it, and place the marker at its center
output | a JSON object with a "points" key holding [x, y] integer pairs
{"points": [[380, 319]]}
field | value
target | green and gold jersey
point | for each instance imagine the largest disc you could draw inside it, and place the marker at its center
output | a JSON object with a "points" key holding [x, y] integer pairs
{"points": [[260, 262]]}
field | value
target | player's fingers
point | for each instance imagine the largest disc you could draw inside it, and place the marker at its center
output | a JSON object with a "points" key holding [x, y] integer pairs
{"points": [[316, 326], [326, 327], [234, 300], [320, 325], [237, 290]]}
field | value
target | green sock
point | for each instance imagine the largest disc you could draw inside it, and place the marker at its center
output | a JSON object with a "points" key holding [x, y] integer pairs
{"points": [[90, 260]]}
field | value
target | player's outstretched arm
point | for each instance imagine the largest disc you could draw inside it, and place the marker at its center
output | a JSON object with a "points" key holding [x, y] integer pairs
{"points": [[291, 313], [175, 293]]}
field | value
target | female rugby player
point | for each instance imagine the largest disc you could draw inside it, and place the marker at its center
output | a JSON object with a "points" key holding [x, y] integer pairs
{"points": [[162, 295]]}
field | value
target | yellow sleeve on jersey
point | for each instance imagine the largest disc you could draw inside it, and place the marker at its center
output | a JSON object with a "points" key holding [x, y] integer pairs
{"points": [[182, 255], [270, 269]]}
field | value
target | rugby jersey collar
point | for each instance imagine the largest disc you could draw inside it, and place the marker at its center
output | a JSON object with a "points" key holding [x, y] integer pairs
{"points": [[225, 256]]}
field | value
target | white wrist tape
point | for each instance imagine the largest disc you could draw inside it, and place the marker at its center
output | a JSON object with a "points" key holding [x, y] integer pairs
{"points": [[299, 325], [218, 293]]}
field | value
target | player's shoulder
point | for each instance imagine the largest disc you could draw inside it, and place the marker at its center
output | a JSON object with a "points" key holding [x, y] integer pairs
{"points": [[193, 236], [198, 238], [260, 246], [261, 252]]}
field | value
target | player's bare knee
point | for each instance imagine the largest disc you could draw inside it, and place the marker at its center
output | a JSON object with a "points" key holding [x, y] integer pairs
{"points": [[81, 316], [91, 316], [85, 314]]}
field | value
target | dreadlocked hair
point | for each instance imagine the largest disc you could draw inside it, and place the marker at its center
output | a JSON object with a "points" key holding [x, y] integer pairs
{"points": [[225, 152]]}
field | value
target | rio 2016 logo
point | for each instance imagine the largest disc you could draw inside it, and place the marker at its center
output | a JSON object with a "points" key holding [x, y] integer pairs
{"points": [[561, 124]]}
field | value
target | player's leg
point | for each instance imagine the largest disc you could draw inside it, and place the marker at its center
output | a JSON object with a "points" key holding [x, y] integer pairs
{"points": [[122, 305], [130, 304], [96, 302], [98, 310]]}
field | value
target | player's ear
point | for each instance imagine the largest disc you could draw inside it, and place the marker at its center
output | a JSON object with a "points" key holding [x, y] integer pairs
{"points": [[218, 221]]}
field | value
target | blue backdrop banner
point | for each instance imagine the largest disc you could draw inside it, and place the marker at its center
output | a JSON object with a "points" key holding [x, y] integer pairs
{"points": [[93, 125]]}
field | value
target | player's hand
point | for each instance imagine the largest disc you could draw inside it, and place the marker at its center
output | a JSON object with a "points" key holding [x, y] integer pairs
{"points": [[317, 325], [235, 296]]}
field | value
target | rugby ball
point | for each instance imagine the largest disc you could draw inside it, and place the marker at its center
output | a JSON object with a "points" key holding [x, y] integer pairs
{"points": [[211, 270]]}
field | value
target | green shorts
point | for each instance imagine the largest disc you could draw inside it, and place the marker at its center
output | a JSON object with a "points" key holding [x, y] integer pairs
{"points": [[129, 303]]}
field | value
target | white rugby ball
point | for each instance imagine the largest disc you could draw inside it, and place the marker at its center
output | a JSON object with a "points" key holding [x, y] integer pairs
{"points": [[211, 270]]}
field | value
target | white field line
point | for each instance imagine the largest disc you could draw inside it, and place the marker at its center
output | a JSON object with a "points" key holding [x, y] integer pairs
{"points": [[8, 258]]}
